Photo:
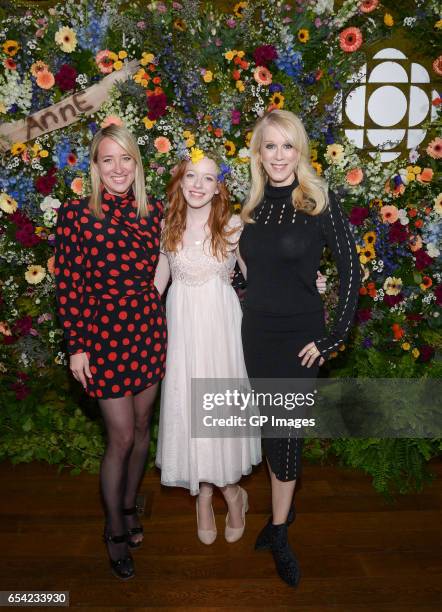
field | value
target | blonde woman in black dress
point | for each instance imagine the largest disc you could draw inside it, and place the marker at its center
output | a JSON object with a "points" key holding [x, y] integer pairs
{"points": [[290, 216]]}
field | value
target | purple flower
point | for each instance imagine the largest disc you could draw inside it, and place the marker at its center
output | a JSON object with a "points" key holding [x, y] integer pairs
{"points": [[276, 88], [367, 343], [392, 300], [236, 117], [363, 315], [397, 232], [422, 259]]}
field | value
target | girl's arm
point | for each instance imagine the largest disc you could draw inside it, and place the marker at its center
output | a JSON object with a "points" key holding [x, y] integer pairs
{"points": [[241, 263], [162, 273]]}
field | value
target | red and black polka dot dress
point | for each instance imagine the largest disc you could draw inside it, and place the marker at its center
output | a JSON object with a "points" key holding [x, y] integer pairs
{"points": [[108, 304]]}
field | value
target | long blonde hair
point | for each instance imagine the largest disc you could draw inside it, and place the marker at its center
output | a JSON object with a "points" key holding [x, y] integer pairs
{"points": [[124, 138], [311, 195]]}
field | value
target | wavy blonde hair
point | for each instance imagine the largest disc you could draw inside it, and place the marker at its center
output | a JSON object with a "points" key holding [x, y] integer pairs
{"points": [[311, 195], [176, 214], [124, 138]]}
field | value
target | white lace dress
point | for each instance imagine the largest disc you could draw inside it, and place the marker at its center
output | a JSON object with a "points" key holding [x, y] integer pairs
{"points": [[204, 341]]}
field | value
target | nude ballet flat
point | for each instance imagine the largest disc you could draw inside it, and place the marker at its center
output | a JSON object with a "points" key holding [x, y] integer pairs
{"points": [[233, 534], [206, 536]]}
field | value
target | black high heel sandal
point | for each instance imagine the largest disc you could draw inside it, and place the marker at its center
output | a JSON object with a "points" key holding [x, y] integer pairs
{"points": [[135, 530], [122, 568]]}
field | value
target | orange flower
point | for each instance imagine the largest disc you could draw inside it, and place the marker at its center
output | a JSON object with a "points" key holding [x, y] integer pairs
{"points": [[156, 80], [363, 291], [426, 283], [38, 67], [354, 176], [77, 185], [398, 332], [162, 144], [415, 243], [418, 223], [111, 120], [412, 212], [51, 264], [45, 79], [236, 74], [218, 132], [425, 176], [262, 75]]}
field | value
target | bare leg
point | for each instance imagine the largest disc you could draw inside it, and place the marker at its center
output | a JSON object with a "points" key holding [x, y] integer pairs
{"points": [[205, 515], [282, 496], [234, 503]]}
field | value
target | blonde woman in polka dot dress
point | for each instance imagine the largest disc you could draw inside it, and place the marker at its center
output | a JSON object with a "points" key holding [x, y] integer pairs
{"points": [[114, 323]]}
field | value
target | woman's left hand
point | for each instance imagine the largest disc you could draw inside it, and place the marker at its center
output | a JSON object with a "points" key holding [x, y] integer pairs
{"points": [[309, 354]]}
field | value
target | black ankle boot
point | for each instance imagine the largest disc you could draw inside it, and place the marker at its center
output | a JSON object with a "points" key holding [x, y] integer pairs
{"points": [[286, 562], [263, 539]]}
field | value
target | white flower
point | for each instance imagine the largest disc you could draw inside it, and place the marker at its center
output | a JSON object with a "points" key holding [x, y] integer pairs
{"points": [[413, 156], [323, 6], [403, 174], [244, 153], [403, 216], [432, 250], [49, 202]]}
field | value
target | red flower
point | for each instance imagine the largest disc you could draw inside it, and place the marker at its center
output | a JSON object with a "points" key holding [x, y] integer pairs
{"points": [[392, 300], [422, 259], [26, 236], [350, 39], [157, 105], [358, 215], [22, 326], [416, 318], [367, 6], [65, 77], [397, 232], [20, 218], [45, 184], [265, 54], [438, 294], [21, 390], [363, 315], [426, 352]]}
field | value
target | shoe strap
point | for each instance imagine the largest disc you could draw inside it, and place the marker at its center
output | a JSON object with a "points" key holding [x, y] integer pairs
{"points": [[117, 539], [128, 511]]}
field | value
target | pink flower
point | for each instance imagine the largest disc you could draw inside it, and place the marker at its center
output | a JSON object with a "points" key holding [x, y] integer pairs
{"points": [[77, 186], [104, 62], [162, 144], [111, 120], [390, 214], [265, 54], [350, 39], [354, 176], [262, 75], [231, 23], [434, 148], [236, 117], [367, 6], [437, 65]]}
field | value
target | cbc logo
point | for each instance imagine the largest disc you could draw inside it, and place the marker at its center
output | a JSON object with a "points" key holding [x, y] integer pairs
{"points": [[388, 105]]}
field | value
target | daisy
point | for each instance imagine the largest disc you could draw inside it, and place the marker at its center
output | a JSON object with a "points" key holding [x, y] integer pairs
{"points": [[262, 75], [350, 39], [354, 176], [7, 204], [335, 153], [35, 274], [66, 38], [434, 148], [45, 79], [162, 144], [38, 67], [437, 65], [392, 285], [367, 6], [389, 214], [11, 47]]}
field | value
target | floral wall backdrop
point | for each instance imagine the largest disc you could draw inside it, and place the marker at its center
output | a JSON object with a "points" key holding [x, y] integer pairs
{"points": [[205, 72]]}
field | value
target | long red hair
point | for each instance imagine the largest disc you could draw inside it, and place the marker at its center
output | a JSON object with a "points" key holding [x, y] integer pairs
{"points": [[175, 216]]}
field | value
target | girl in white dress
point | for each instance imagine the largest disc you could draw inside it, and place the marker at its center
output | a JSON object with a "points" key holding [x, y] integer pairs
{"points": [[200, 238]]}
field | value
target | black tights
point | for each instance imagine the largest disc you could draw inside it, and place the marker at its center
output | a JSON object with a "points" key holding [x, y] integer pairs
{"points": [[127, 421]]}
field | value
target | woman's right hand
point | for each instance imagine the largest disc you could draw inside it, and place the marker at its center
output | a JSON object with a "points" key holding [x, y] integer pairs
{"points": [[79, 365]]}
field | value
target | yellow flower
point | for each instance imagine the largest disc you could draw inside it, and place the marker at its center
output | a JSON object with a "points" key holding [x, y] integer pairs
{"points": [[313, 155], [208, 76], [196, 155], [148, 123], [376, 202], [369, 238], [248, 138], [190, 138], [366, 254], [334, 153], [341, 347], [229, 55], [392, 285], [18, 148], [277, 100], [10, 47], [238, 9], [7, 204], [230, 147], [112, 56], [317, 166], [236, 207], [2, 108], [179, 25], [35, 274], [147, 58], [406, 346], [303, 35], [438, 204], [438, 25], [66, 38], [122, 54], [415, 352], [240, 54], [118, 65], [240, 85], [388, 20], [141, 77], [44, 153]]}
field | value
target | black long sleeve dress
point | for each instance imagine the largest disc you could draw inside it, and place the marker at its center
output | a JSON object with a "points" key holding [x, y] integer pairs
{"points": [[283, 310], [107, 302]]}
